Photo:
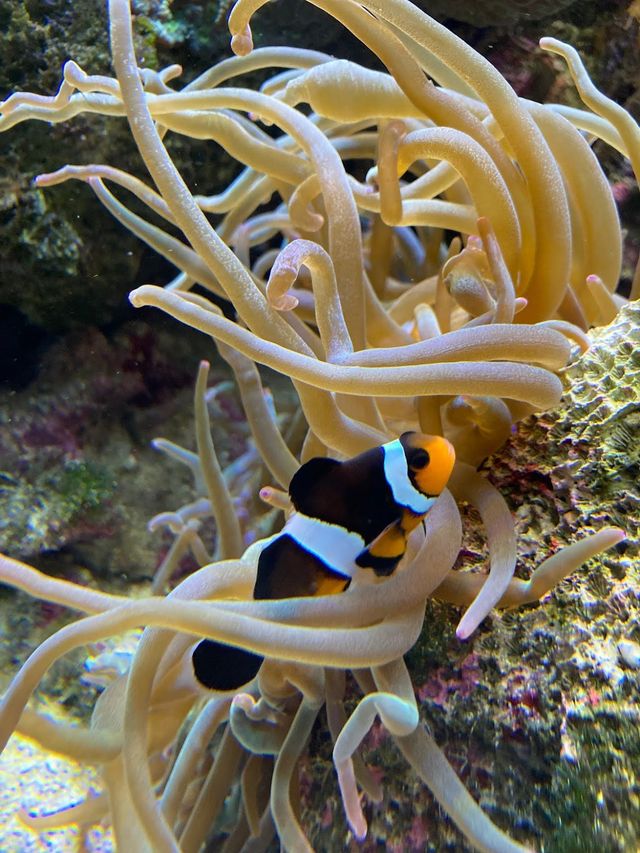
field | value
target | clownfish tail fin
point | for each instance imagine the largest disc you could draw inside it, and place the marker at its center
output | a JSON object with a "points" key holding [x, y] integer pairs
{"points": [[219, 667]]}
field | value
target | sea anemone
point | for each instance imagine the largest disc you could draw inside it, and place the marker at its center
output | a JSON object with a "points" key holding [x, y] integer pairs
{"points": [[351, 285]]}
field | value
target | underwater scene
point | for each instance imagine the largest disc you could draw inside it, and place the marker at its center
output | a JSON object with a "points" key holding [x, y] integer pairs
{"points": [[319, 426]]}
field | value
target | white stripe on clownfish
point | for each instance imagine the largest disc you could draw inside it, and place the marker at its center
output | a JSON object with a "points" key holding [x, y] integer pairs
{"points": [[397, 476], [332, 544]]}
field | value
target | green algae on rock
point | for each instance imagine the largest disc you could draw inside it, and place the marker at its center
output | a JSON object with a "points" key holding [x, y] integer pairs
{"points": [[79, 476]]}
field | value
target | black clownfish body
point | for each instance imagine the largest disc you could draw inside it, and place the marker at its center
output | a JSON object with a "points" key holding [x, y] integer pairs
{"points": [[349, 516]]}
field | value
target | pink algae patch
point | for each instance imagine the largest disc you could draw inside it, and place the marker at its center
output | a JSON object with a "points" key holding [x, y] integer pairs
{"points": [[446, 681]]}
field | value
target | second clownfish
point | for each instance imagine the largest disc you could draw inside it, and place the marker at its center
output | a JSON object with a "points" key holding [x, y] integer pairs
{"points": [[349, 515]]}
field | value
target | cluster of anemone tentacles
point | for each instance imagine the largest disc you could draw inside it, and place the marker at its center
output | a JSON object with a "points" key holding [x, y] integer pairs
{"points": [[344, 282]]}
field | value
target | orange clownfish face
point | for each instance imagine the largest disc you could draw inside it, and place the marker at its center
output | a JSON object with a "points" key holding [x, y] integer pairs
{"points": [[430, 461]]}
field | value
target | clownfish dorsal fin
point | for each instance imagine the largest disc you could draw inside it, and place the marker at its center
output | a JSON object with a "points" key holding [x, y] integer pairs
{"points": [[308, 477]]}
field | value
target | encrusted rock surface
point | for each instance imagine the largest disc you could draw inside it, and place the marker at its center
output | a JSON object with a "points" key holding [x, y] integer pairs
{"points": [[587, 451]]}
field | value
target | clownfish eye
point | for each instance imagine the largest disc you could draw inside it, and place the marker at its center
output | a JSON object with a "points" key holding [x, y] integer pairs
{"points": [[419, 459]]}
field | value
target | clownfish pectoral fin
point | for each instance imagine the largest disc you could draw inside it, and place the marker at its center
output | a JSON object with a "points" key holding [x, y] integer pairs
{"points": [[223, 668], [385, 552], [308, 476], [388, 538]]}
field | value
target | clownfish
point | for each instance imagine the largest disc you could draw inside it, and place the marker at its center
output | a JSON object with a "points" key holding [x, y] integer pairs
{"points": [[349, 516]]}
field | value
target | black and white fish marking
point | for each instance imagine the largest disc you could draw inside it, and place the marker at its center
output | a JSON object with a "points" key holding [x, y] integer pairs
{"points": [[348, 516]]}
